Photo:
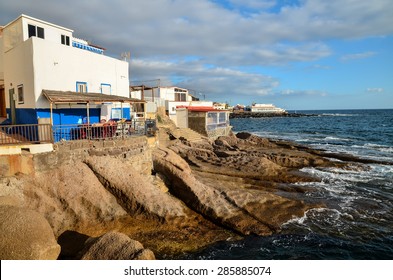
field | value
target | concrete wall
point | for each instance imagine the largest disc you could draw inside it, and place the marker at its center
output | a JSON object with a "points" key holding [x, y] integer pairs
{"points": [[13, 34], [10, 165], [197, 121], [182, 118], [171, 107], [19, 70]]}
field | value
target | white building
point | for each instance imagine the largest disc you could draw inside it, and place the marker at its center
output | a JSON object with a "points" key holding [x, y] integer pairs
{"points": [[36, 55], [266, 108], [168, 97]]}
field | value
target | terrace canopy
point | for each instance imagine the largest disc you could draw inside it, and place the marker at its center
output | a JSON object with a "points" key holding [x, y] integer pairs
{"points": [[71, 97]]}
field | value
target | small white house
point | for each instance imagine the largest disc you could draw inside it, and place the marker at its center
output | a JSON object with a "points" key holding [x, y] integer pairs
{"points": [[170, 97], [36, 55]]}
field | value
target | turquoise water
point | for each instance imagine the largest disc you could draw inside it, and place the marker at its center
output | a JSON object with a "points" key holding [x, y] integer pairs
{"points": [[357, 222]]}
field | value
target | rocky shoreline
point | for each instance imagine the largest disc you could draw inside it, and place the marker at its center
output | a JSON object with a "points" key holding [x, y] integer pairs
{"points": [[198, 193]]}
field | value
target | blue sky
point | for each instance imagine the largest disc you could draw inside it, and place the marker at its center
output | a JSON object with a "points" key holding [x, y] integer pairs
{"points": [[304, 54]]}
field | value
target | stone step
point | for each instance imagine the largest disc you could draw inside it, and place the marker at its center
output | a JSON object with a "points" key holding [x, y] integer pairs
{"points": [[187, 133]]}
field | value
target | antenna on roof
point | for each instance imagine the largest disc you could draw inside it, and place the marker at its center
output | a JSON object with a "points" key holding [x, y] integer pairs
{"points": [[125, 56]]}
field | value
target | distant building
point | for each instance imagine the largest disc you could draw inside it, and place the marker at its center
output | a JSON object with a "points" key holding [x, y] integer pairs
{"points": [[220, 106], [238, 107], [36, 55], [266, 108], [169, 97]]}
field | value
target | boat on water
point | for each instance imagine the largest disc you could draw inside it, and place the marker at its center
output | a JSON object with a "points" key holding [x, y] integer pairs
{"points": [[266, 108]]}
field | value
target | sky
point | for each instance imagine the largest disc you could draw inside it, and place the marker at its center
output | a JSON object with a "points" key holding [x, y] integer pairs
{"points": [[296, 54]]}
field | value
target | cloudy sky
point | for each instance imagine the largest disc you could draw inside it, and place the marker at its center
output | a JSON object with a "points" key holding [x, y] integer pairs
{"points": [[297, 54]]}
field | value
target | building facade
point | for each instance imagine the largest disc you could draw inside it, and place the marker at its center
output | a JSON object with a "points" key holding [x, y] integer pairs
{"points": [[36, 55]]}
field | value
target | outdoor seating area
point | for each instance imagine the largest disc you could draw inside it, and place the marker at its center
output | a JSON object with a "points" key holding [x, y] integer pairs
{"points": [[103, 130]]}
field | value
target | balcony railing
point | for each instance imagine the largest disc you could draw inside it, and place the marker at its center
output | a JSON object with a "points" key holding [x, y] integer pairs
{"points": [[45, 133], [25, 134], [114, 130]]}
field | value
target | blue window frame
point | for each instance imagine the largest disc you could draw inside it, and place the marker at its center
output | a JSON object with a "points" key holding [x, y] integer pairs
{"points": [[81, 87], [106, 88]]}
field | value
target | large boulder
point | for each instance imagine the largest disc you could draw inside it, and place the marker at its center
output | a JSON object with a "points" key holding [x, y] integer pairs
{"points": [[115, 246], [137, 195], [26, 235], [72, 198]]}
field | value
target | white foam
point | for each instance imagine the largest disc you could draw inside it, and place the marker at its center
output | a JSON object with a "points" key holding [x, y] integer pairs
{"points": [[339, 115], [336, 138]]}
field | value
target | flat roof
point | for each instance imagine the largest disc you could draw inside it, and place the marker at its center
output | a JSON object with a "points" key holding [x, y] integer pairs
{"points": [[140, 87], [40, 21], [200, 109], [55, 96]]}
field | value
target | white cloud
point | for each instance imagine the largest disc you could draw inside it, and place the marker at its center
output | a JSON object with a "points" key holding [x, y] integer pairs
{"points": [[375, 90], [291, 92], [162, 34], [215, 82], [356, 56]]}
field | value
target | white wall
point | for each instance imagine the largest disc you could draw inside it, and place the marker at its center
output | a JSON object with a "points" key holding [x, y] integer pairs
{"points": [[18, 70], [181, 118], [167, 93], [52, 32], [39, 64], [202, 103], [59, 67], [173, 104]]}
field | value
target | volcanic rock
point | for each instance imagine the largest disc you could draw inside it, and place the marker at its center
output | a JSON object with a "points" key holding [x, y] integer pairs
{"points": [[115, 246], [26, 235]]}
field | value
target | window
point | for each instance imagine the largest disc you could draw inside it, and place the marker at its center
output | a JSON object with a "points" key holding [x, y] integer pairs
{"points": [[222, 117], [21, 97], [81, 87], [65, 40], [32, 30], [40, 32], [180, 96], [36, 31], [106, 89]]}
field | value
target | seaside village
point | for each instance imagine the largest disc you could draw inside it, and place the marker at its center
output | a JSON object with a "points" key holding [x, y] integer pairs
{"points": [[56, 87], [62, 98]]}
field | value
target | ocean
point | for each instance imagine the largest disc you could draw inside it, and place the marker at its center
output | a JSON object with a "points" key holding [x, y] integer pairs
{"points": [[357, 222]]}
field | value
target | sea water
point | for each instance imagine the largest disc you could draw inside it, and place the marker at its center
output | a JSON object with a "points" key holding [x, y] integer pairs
{"points": [[357, 219]]}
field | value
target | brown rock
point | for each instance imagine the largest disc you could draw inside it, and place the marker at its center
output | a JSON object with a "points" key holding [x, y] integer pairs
{"points": [[72, 198], [204, 199], [115, 246], [136, 194], [26, 235]]}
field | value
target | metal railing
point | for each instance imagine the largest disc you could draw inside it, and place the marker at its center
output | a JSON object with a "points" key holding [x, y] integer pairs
{"points": [[117, 130], [45, 133], [25, 134]]}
